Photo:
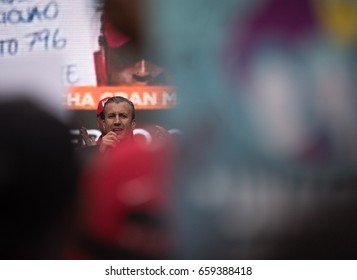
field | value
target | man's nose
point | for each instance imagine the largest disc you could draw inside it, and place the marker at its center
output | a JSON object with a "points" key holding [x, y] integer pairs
{"points": [[117, 119]]}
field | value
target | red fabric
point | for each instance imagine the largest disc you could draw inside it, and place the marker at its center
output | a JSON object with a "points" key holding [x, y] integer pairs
{"points": [[99, 141], [113, 37], [121, 188], [100, 67], [101, 104]]}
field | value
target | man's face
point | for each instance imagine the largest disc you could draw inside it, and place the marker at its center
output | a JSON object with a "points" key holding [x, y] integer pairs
{"points": [[118, 118]]}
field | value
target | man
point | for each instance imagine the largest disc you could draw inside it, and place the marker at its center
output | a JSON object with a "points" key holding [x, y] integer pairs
{"points": [[122, 220], [118, 121]]}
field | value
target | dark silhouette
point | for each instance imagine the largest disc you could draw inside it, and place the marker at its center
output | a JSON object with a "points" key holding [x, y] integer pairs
{"points": [[38, 179]]}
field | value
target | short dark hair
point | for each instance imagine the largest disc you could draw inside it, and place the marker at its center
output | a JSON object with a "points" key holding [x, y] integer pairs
{"points": [[118, 99]]}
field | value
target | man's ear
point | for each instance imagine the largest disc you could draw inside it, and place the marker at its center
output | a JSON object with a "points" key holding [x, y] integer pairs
{"points": [[133, 124]]}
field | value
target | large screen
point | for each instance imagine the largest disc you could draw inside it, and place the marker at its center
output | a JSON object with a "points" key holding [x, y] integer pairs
{"points": [[67, 55]]}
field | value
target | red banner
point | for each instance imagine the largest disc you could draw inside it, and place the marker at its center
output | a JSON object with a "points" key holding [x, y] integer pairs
{"points": [[143, 97]]}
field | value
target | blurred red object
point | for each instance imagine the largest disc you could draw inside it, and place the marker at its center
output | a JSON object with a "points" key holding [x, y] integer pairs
{"points": [[126, 200]]}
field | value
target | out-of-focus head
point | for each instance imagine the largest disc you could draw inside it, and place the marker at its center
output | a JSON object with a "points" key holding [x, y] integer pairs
{"points": [[118, 115], [126, 203], [37, 182]]}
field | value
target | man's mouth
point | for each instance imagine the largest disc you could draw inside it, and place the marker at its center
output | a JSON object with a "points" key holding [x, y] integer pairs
{"points": [[117, 130]]}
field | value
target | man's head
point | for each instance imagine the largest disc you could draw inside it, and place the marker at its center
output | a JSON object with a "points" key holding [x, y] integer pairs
{"points": [[118, 115]]}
